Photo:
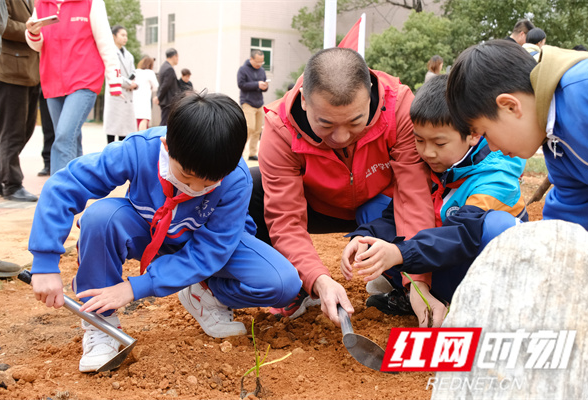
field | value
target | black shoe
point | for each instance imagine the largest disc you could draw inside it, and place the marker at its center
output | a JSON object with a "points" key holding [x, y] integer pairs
{"points": [[44, 172], [253, 158], [21, 195], [395, 302]]}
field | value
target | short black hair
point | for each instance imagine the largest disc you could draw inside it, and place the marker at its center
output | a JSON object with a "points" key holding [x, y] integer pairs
{"points": [[186, 71], [579, 47], [206, 134], [169, 53], [523, 25], [338, 73], [430, 105], [535, 35], [117, 28], [480, 74], [256, 52]]}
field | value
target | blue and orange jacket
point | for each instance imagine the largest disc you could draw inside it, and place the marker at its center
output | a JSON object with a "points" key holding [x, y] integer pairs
{"points": [[209, 227], [462, 196]]}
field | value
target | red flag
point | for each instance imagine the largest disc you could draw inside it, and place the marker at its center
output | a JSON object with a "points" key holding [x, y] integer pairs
{"points": [[351, 40]]}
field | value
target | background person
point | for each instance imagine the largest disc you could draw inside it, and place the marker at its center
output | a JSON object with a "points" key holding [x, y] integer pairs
{"points": [[119, 112], [536, 38], [168, 84], [252, 83], [48, 135], [147, 85], [184, 81], [19, 95], [519, 32], [434, 66], [74, 59], [331, 158]]}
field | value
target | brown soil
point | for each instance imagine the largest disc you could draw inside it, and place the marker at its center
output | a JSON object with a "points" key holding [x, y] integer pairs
{"points": [[173, 357]]}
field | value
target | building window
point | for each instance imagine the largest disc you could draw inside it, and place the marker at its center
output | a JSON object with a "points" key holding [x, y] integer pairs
{"points": [[264, 45], [171, 27], [151, 30]]}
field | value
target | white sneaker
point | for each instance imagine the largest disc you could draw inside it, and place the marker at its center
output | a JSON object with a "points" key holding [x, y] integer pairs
{"points": [[99, 348], [379, 285], [215, 318]]}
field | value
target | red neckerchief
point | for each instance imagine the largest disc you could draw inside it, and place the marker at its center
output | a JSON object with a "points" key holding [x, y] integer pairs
{"points": [[161, 221], [438, 195]]}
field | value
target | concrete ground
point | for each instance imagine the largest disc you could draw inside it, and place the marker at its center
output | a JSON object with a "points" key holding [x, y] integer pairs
{"points": [[17, 217]]}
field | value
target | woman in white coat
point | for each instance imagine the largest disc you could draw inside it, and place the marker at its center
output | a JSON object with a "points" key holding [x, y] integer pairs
{"points": [[119, 113], [148, 85]]}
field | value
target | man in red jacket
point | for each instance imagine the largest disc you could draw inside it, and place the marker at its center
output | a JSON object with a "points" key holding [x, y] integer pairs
{"points": [[334, 151]]}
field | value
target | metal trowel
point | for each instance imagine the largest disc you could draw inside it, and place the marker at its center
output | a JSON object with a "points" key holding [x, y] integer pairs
{"points": [[361, 348], [98, 322]]}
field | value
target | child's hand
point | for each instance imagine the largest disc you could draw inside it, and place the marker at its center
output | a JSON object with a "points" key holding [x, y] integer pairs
{"points": [[353, 248], [48, 289], [438, 309], [380, 257], [108, 298]]}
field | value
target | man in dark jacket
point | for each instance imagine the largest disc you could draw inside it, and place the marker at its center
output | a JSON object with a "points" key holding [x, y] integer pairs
{"points": [[168, 84], [252, 83], [19, 94]]}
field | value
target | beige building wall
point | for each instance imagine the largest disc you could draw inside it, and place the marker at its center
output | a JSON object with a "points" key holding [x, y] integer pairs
{"points": [[213, 37]]}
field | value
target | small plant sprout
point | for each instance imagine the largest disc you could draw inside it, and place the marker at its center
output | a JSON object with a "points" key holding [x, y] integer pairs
{"points": [[258, 364], [429, 315]]}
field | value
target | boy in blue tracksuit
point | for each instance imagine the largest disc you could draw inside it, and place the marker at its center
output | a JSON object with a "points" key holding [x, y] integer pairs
{"points": [[184, 216], [476, 196], [497, 90]]}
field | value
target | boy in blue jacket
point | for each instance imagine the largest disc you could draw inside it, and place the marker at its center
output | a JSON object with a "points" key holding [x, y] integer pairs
{"points": [[497, 91], [476, 196], [184, 216]]}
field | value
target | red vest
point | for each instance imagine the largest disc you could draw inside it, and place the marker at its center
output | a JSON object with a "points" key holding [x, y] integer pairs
{"points": [[70, 59]]}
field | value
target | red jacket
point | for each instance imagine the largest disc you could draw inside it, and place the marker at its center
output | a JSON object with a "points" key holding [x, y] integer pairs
{"points": [[70, 59], [296, 170]]}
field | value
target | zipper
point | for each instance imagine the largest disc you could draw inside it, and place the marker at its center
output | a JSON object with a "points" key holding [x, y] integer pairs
{"points": [[351, 178]]}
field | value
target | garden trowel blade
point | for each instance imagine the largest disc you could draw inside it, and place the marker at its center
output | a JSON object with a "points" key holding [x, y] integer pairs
{"points": [[364, 350]]}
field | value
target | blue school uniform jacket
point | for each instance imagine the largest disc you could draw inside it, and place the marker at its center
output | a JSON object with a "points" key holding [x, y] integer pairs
{"points": [[209, 227], [566, 152], [481, 182]]}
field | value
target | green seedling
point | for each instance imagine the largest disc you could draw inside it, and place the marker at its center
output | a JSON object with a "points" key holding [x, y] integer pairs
{"points": [[258, 364], [429, 313]]}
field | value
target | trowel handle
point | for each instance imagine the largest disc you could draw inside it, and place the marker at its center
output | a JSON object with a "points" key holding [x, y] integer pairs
{"points": [[91, 318], [345, 321]]}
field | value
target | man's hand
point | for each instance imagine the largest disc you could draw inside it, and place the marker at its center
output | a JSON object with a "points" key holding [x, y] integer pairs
{"points": [[33, 27], [380, 257], [134, 86], [48, 289], [427, 319], [262, 85], [332, 293], [108, 298], [353, 248]]}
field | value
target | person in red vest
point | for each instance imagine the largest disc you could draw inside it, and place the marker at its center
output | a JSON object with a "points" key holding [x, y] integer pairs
{"points": [[75, 53], [335, 150]]}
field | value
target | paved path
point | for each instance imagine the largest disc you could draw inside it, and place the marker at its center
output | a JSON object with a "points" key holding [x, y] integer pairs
{"points": [[16, 217]]}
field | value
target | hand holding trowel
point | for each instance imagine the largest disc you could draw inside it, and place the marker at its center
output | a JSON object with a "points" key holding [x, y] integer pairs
{"points": [[97, 321]]}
